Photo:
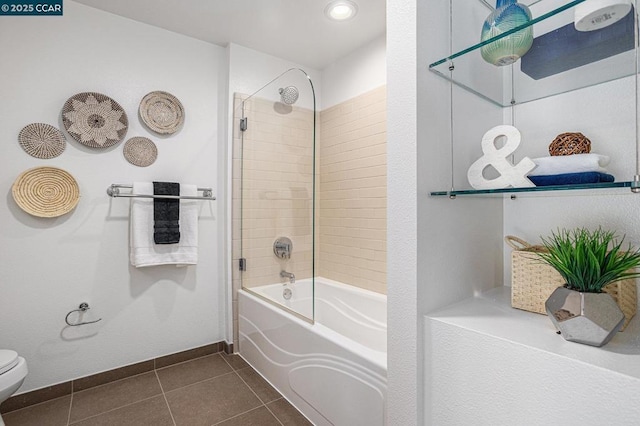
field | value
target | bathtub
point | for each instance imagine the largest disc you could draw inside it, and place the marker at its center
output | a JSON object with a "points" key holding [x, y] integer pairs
{"points": [[333, 370]]}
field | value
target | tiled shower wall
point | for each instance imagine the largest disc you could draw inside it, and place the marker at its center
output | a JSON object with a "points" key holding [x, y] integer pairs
{"points": [[350, 184], [352, 201]]}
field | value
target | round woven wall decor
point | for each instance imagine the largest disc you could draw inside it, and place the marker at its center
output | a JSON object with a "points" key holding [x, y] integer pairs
{"points": [[140, 151], [94, 120], [46, 192], [570, 143], [41, 140], [161, 112]]}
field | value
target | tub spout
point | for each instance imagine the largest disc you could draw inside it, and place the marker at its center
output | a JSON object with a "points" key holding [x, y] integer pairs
{"points": [[292, 277]]}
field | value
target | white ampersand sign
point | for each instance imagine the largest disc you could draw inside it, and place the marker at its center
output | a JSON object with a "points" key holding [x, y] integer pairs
{"points": [[510, 175]]}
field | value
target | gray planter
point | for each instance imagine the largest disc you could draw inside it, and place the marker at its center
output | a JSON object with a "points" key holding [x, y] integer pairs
{"points": [[589, 318]]}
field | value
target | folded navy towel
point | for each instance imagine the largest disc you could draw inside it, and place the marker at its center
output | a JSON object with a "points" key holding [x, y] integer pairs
{"points": [[571, 178], [166, 213]]}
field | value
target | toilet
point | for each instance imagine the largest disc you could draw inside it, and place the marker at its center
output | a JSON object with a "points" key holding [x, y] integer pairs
{"points": [[13, 370]]}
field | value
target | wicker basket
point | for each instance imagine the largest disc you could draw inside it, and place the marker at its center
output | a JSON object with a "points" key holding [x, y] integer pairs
{"points": [[533, 281]]}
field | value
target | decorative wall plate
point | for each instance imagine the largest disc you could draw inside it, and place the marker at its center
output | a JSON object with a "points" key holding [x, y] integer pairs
{"points": [[140, 151], [161, 112], [46, 192], [94, 119], [42, 140]]}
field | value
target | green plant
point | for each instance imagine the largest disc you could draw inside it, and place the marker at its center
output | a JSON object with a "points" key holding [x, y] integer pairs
{"points": [[589, 260]]}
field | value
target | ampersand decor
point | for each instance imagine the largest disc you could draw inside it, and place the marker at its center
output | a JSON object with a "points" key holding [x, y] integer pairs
{"points": [[510, 175]]}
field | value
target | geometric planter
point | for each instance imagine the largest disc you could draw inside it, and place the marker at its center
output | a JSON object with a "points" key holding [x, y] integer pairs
{"points": [[533, 281], [588, 318]]}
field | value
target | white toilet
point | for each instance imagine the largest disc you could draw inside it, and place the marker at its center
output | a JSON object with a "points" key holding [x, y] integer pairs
{"points": [[13, 370]]}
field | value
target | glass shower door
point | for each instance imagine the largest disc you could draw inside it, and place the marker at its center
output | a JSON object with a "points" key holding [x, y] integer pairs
{"points": [[277, 126]]}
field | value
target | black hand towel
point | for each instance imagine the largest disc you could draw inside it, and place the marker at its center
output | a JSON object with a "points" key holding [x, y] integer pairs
{"points": [[166, 213]]}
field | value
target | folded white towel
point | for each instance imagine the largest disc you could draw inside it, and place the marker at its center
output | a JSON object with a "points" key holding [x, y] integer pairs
{"points": [[576, 163], [143, 251]]}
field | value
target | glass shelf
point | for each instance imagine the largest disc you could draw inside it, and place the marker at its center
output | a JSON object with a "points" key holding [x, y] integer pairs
{"points": [[561, 59], [535, 189]]}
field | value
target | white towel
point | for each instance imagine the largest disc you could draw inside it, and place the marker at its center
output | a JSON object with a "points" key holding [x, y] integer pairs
{"points": [[576, 163], [143, 251]]}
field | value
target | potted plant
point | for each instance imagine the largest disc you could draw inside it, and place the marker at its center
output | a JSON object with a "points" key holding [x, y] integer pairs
{"points": [[587, 261]]}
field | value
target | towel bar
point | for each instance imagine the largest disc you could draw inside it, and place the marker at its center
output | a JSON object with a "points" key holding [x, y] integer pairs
{"points": [[114, 191]]}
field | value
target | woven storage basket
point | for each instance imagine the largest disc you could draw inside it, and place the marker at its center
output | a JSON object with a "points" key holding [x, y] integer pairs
{"points": [[533, 281]]}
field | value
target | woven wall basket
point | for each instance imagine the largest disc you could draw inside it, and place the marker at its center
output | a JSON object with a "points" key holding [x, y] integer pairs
{"points": [[161, 112], [140, 151], [42, 140], [46, 192], [533, 281], [94, 119]]}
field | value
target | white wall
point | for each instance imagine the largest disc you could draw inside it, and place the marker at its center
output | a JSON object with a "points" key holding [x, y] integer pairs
{"points": [[403, 404], [49, 266], [361, 71], [439, 250], [457, 239]]}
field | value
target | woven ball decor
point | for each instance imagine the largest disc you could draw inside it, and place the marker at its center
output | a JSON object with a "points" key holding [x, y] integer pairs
{"points": [[161, 112], [94, 120], [570, 143], [46, 192], [41, 140], [140, 151]]}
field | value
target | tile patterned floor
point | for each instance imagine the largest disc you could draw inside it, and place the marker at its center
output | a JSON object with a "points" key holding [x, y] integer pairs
{"points": [[217, 389]]}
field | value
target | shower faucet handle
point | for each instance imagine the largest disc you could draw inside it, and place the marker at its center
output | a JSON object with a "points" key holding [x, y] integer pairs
{"points": [[282, 247]]}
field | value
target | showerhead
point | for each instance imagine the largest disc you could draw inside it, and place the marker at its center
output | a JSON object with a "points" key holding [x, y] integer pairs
{"points": [[289, 95]]}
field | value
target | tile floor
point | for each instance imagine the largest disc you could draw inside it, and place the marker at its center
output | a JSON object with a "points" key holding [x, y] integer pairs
{"points": [[217, 389]]}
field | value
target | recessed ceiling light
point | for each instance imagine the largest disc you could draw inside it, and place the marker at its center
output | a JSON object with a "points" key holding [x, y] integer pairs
{"points": [[341, 10]]}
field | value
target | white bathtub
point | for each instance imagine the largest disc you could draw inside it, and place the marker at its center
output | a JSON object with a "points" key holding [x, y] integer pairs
{"points": [[335, 370]]}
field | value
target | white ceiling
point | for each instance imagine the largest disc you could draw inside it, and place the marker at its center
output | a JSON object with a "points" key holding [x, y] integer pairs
{"points": [[295, 30]]}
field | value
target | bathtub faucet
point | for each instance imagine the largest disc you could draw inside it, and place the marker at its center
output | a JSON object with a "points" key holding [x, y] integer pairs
{"points": [[292, 277]]}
